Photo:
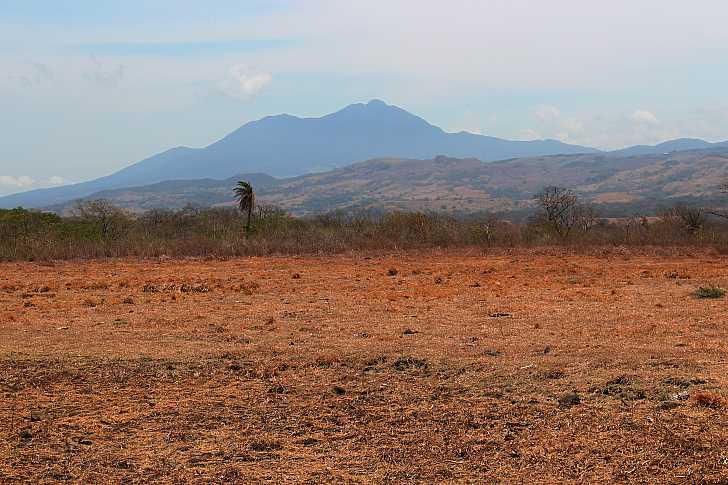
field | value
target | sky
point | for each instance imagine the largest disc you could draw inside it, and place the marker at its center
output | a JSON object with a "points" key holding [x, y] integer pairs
{"points": [[90, 86]]}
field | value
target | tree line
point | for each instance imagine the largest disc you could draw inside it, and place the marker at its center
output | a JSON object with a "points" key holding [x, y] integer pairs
{"points": [[96, 228]]}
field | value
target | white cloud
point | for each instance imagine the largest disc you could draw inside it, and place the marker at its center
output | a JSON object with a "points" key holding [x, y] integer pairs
{"points": [[612, 130], [103, 74], [242, 83], [468, 122], [547, 113], [33, 74], [10, 183], [554, 124], [530, 134], [644, 116]]}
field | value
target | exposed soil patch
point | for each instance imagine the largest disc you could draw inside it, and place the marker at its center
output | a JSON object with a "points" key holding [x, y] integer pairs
{"points": [[376, 369]]}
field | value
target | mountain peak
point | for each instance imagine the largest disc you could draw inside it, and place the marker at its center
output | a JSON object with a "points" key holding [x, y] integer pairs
{"points": [[372, 105], [286, 145], [377, 103]]}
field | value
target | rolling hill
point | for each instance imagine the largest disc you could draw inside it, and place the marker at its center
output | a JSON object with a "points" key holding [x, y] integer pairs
{"points": [[463, 185]]}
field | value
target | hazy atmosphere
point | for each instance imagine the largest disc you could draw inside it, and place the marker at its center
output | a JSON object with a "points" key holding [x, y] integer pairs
{"points": [[89, 87], [363, 242]]}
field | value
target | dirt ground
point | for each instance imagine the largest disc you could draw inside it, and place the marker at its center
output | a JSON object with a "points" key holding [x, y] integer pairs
{"points": [[408, 368]]}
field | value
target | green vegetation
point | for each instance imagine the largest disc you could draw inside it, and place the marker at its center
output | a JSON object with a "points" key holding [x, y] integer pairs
{"points": [[710, 291]]}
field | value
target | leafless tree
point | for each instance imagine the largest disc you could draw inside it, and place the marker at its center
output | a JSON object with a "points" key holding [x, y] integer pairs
{"points": [[109, 219], [724, 189], [587, 216], [562, 212]]}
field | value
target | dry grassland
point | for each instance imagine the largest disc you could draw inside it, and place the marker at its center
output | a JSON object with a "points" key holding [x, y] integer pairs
{"points": [[419, 367]]}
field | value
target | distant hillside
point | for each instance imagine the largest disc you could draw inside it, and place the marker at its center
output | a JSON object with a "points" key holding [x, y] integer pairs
{"points": [[175, 194], [464, 185], [285, 145], [681, 144]]}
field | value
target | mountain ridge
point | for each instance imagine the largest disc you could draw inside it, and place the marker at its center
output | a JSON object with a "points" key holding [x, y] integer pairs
{"points": [[463, 184], [285, 145]]}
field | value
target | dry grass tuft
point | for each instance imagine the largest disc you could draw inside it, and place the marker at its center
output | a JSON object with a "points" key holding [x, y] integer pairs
{"points": [[708, 399]]}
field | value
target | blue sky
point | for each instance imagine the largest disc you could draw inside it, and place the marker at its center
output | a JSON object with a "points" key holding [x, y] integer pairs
{"points": [[88, 87]]}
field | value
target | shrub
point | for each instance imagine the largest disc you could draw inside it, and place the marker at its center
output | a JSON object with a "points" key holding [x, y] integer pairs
{"points": [[709, 292], [97, 229], [708, 399]]}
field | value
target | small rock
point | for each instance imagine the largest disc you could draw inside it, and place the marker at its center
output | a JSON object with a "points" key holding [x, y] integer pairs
{"points": [[26, 435], [668, 405], [36, 415], [569, 399], [339, 391], [408, 331], [278, 389], [392, 272], [296, 276]]}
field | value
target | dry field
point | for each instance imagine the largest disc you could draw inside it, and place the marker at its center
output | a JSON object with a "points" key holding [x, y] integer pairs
{"points": [[416, 367]]}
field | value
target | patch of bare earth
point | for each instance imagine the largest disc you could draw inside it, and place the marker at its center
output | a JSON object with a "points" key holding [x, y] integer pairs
{"points": [[420, 367]]}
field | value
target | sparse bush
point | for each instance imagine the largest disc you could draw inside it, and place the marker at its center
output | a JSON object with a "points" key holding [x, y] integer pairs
{"points": [[705, 292], [97, 229], [688, 218], [108, 221], [562, 213], [708, 399]]}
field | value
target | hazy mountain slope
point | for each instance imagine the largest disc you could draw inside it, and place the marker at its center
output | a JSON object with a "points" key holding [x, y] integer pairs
{"points": [[465, 184], [681, 144], [286, 145], [56, 195], [175, 194]]}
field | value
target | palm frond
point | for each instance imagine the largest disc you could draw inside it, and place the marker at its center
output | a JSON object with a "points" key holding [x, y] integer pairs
{"points": [[246, 198]]}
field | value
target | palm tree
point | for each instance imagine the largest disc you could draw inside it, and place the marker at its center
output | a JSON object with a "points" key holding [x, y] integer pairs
{"points": [[246, 200]]}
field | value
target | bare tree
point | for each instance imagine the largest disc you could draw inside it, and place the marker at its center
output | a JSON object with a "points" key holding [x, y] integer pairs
{"points": [[587, 216], [109, 219], [723, 214], [562, 212]]}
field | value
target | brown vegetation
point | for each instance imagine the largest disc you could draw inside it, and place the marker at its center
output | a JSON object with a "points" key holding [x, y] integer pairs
{"points": [[525, 367], [98, 229]]}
